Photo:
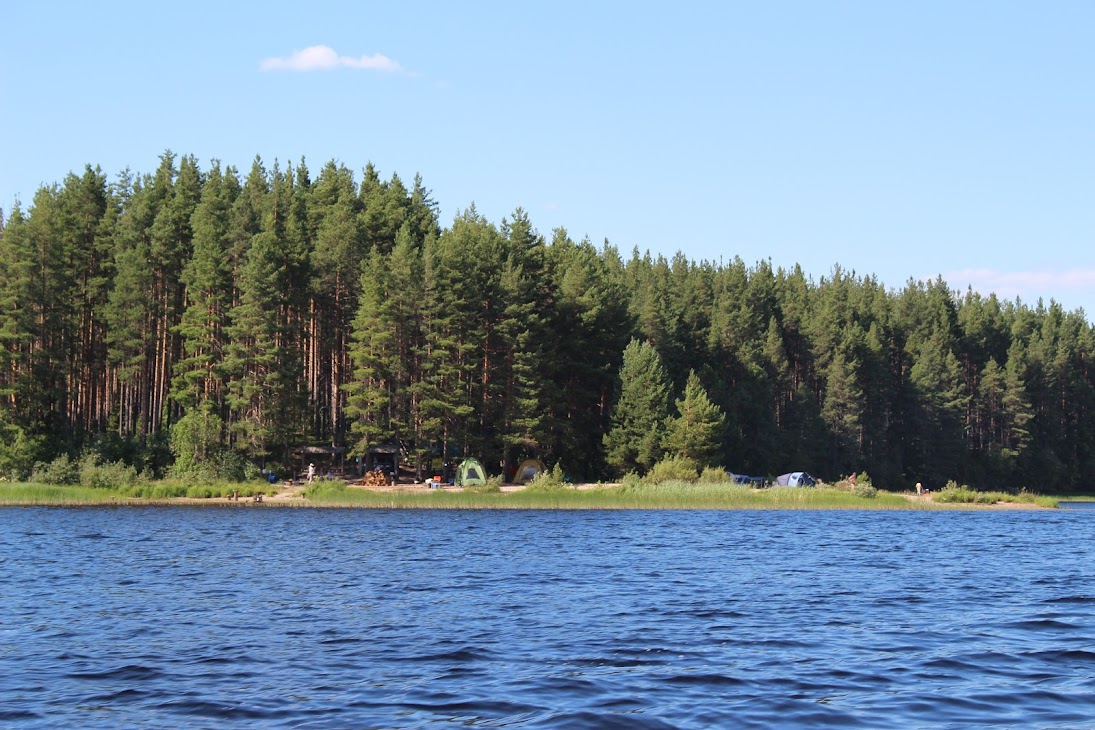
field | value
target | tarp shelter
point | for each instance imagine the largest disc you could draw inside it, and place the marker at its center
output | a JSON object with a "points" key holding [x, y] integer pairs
{"points": [[384, 457], [795, 479], [470, 473], [325, 458], [527, 471]]}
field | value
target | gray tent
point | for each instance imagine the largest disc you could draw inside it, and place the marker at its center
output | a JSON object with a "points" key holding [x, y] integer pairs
{"points": [[795, 479]]}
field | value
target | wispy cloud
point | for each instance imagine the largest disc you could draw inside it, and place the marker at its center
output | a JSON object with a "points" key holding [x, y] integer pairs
{"points": [[325, 58], [1026, 284]]}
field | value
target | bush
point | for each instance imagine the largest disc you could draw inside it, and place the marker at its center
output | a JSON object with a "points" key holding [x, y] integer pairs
{"points": [[714, 475], [547, 481], [954, 493], [673, 469], [493, 485], [61, 470], [864, 489], [106, 476], [18, 452]]}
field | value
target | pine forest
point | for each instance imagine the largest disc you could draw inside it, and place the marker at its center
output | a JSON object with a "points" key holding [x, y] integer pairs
{"points": [[193, 316]]}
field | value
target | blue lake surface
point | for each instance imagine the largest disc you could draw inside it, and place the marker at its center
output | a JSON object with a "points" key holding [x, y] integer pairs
{"points": [[165, 617]]}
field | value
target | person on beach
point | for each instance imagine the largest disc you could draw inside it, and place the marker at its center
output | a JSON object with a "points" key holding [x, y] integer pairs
{"points": [[311, 473], [919, 489]]}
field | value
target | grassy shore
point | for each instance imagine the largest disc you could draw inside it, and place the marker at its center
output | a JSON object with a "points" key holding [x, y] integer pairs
{"points": [[668, 495], [159, 492]]}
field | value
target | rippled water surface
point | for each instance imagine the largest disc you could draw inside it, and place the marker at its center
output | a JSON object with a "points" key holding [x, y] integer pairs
{"points": [[260, 617]]}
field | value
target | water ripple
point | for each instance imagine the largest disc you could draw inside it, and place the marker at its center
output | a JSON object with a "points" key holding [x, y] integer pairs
{"points": [[372, 618]]}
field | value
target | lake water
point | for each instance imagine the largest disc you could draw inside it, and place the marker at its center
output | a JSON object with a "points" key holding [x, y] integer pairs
{"points": [[262, 617]]}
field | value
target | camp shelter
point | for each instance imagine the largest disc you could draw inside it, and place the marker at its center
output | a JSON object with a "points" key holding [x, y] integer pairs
{"points": [[528, 470], [325, 458], [470, 473], [746, 480], [795, 479], [383, 457]]}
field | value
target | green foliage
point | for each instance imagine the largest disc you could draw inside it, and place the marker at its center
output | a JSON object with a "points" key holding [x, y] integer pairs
{"points": [[201, 458], [674, 468], [62, 470], [864, 489], [714, 475], [493, 485], [18, 452], [696, 432], [548, 481], [635, 439], [94, 473], [339, 311], [953, 493]]}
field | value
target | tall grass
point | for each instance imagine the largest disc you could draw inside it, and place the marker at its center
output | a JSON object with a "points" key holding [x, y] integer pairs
{"points": [[26, 493], [32, 493], [668, 495], [961, 494]]}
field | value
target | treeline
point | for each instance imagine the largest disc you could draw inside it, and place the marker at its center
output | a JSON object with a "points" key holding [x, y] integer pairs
{"points": [[222, 313]]}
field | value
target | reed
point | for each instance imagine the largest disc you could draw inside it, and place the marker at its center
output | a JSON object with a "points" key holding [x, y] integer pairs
{"points": [[961, 494], [31, 494], [668, 495]]}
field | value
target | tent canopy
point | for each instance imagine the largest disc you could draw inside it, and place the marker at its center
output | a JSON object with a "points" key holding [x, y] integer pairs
{"points": [[795, 479], [746, 479], [470, 473], [528, 470]]}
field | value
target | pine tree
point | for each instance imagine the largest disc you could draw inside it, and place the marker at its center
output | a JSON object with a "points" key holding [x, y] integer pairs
{"points": [[696, 432], [199, 377], [635, 441]]}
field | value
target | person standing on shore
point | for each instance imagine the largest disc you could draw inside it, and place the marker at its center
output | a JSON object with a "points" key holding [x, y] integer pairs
{"points": [[311, 473], [919, 489]]}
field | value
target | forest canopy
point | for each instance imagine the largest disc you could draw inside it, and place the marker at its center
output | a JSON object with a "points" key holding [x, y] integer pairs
{"points": [[188, 315]]}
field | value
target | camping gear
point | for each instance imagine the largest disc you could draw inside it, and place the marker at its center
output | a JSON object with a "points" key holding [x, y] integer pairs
{"points": [[746, 480], [528, 470], [795, 479], [470, 473]]}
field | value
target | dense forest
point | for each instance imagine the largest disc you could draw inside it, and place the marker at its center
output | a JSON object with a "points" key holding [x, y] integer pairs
{"points": [[246, 315]]}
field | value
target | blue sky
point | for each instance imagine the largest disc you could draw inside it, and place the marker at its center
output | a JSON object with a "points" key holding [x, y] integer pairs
{"points": [[901, 140]]}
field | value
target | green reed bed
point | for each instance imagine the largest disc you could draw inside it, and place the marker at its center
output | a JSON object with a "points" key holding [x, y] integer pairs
{"points": [[669, 495], [961, 494], [22, 493], [30, 493]]}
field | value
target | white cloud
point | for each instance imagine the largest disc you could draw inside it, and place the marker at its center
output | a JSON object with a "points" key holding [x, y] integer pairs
{"points": [[325, 58], [1029, 285]]}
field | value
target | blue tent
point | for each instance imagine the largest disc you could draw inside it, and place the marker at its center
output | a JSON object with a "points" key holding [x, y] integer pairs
{"points": [[795, 479], [746, 479]]}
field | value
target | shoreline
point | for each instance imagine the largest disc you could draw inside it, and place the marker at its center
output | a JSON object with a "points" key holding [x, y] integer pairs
{"points": [[578, 497]]}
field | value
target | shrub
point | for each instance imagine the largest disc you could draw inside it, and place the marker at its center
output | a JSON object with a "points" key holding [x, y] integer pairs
{"points": [[493, 485], [17, 452], [714, 475], [954, 493], [547, 481], [675, 468], [98, 475], [864, 489], [61, 470]]}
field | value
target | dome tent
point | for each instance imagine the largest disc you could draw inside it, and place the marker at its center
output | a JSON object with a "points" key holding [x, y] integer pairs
{"points": [[470, 473], [528, 470], [795, 479]]}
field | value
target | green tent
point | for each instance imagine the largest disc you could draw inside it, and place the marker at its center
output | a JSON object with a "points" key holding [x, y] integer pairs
{"points": [[470, 473]]}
